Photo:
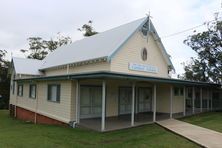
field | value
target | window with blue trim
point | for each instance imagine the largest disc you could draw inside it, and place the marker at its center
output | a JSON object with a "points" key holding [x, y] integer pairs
{"points": [[20, 90], [32, 91], [54, 92]]}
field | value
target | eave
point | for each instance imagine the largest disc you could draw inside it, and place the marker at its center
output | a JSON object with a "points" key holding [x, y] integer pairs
{"points": [[80, 63]]}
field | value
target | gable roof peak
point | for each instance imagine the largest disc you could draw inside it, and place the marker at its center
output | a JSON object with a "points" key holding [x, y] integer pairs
{"points": [[102, 45]]}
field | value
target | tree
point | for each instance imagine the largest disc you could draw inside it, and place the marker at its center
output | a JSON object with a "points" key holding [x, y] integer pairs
{"points": [[2, 56], [207, 66], [87, 29], [59, 41], [4, 64], [39, 48], [4, 80]]}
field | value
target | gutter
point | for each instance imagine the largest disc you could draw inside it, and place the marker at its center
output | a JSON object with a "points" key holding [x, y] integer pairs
{"points": [[108, 74], [89, 61]]}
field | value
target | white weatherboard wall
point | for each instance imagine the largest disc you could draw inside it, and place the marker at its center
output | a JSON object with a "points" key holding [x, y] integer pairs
{"points": [[163, 99], [177, 104], [12, 99], [24, 101], [101, 66], [60, 111], [131, 53], [12, 96]]}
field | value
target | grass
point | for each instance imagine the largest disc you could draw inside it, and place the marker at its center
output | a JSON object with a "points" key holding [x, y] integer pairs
{"points": [[19, 134], [210, 120]]}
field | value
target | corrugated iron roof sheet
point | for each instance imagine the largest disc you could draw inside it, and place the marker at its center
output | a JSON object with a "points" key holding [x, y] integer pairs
{"points": [[26, 66], [97, 46]]}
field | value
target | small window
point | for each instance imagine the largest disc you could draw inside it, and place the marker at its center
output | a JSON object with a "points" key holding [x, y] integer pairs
{"points": [[176, 91], [32, 91], [20, 90], [54, 92]]}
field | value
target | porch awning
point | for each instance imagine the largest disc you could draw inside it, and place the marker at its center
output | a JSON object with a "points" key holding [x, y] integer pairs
{"points": [[116, 75]]}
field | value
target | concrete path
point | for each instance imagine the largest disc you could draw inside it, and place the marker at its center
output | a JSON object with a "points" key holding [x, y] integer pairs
{"points": [[202, 136]]}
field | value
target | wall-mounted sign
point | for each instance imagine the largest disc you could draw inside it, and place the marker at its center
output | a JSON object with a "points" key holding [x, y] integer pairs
{"points": [[143, 67]]}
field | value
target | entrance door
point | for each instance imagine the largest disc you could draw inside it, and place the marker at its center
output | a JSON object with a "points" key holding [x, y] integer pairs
{"points": [[125, 100], [90, 101], [144, 99]]}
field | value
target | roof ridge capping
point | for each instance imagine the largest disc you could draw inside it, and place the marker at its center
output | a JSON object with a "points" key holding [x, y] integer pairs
{"points": [[21, 58]]}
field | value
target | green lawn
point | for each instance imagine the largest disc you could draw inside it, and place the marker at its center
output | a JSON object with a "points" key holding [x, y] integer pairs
{"points": [[15, 133], [211, 120]]}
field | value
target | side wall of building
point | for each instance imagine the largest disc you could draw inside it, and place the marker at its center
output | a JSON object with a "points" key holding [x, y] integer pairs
{"points": [[24, 101], [13, 94], [65, 110], [60, 111], [57, 110]]}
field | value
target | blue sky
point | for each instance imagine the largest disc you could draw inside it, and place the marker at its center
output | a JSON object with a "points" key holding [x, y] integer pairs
{"points": [[25, 18]]}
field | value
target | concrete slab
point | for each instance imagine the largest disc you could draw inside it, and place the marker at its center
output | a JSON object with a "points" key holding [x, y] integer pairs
{"points": [[202, 136], [121, 121]]}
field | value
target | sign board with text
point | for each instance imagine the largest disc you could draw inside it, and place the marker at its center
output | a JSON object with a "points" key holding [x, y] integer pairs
{"points": [[143, 68]]}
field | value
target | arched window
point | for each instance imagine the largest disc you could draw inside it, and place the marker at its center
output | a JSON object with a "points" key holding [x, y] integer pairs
{"points": [[144, 54]]}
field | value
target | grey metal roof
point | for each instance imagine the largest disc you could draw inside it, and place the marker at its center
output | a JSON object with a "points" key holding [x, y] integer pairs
{"points": [[26, 66], [97, 46], [102, 45]]}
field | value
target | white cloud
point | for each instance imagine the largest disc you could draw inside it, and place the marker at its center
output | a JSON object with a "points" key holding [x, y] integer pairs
{"points": [[25, 18]]}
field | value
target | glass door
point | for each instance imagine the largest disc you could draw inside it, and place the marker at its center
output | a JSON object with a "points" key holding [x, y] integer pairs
{"points": [[125, 100], [90, 101], [144, 100]]}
